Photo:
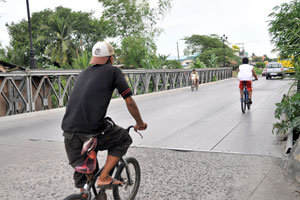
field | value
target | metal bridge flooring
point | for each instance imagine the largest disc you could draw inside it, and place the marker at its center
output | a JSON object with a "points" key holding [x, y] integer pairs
{"points": [[209, 119]]}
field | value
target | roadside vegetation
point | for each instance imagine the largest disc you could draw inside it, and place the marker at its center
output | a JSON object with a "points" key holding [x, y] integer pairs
{"points": [[285, 32]]}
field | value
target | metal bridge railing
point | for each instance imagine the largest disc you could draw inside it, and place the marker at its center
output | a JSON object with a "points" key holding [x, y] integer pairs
{"points": [[33, 90]]}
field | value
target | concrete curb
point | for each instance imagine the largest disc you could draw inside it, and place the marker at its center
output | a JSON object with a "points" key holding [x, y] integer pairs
{"points": [[293, 163]]}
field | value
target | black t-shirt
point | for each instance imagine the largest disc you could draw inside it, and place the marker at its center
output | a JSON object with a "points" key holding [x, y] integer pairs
{"points": [[90, 98]]}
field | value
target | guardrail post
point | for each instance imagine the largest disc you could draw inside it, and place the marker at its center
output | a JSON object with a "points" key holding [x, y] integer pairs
{"points": [[30, 105]]}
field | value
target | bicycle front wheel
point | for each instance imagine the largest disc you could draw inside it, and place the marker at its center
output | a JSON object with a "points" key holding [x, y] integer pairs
{"points": [[74, 197], [248, 105], [132, 184]]}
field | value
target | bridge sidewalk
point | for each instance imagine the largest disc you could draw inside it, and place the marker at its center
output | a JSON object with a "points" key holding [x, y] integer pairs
{"points": [[33, 169]]}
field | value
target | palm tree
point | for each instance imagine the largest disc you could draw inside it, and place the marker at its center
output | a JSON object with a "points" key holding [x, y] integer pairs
{"points": [[62, 48]]}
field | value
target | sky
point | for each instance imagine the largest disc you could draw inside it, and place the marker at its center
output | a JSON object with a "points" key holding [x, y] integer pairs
{"points": [[244, 22]]}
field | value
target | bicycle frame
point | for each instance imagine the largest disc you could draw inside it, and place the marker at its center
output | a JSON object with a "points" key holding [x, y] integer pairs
{"points": [[245, 98], [91, 179], [245, 91], [123, 166]]}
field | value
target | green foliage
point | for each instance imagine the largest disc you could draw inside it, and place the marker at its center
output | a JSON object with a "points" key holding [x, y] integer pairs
{"points": [[173, 64], [214, 78], [134, 22], [260, 65], [83, 30], [213, 61], [128, 17], [285, 28], [258, 70], [82, 61], [285, 32], [136, 51], [16, 56], [288, 112], [63, 48], [197, 64], [208, 45]]}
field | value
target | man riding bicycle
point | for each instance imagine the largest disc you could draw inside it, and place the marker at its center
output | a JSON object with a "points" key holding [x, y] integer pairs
{"points": [[245, 74], [194, 77], [86, 111]]}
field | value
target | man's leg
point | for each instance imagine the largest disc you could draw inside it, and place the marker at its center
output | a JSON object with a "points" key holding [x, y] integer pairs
{"points": [[241, 93], [104, 177], [73, 147], [250, 97], [249, 87]]}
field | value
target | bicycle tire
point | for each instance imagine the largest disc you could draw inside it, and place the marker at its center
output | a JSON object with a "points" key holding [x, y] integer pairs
{"points": [[121, 174], [243, 103], [74, 197], [248, 106]]}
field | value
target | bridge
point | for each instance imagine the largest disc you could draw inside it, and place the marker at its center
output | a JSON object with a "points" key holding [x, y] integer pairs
{"points": [[198, 145]]}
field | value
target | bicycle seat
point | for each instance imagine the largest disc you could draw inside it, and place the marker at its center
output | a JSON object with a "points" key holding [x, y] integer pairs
{"points": [[89, 145], [89, 165]]}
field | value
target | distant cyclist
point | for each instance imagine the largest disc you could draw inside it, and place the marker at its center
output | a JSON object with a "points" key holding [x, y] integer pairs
{"points": [[246, 72], [195, 78]]}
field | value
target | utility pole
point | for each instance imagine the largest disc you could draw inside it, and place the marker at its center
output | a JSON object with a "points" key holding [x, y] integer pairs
{"points": [[224, 38], [32, 60], [178, 52]]}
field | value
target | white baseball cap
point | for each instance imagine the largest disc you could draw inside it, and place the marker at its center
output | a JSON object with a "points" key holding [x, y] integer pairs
{"points": [[100, 52]]}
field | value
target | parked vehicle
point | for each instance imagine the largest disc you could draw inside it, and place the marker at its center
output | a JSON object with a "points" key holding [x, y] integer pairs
{"points": [[275, 69], [289, 70], [288, 64], [263, 73]]}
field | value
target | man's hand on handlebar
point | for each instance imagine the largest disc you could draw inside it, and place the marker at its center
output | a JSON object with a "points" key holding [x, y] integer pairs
{"points": [[140, 126]]}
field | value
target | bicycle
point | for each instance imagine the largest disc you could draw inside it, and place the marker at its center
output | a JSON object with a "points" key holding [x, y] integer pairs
{"points": [[127, 171], [194, 84], [245, 97]]}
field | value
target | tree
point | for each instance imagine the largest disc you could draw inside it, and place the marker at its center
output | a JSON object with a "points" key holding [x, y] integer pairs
{"points": [[285, 32], [14, 55], [285, 29], [133, 22], [138, 52], [208, 45], [85, 30], [62, 48], [82, 61], [197, 64], [133, 17], [213, 61]]}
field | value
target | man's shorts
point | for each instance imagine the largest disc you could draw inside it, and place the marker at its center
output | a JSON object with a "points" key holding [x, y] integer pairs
{"points": [[115, 139], [249, 85]]}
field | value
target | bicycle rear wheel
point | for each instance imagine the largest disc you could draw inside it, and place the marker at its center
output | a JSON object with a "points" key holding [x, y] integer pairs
{"points": [[243, 103], [129, 190], [74, 197]]}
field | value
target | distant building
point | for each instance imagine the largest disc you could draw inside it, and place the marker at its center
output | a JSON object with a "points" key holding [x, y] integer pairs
{"points": [[185, 61]]}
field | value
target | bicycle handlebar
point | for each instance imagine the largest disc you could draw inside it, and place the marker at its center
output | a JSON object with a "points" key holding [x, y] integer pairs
{"points": [[129, 127]]}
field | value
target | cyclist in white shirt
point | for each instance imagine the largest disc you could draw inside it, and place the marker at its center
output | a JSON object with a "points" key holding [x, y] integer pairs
{"points": [[246, 72], [194, 77]]}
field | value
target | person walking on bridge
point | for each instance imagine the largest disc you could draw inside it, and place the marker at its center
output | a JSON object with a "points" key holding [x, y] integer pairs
{"points": [[246, 72], [85, 115]]}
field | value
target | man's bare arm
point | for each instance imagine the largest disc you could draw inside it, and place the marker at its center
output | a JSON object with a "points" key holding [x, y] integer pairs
{"points": [[135, 113], [254, 74]]}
